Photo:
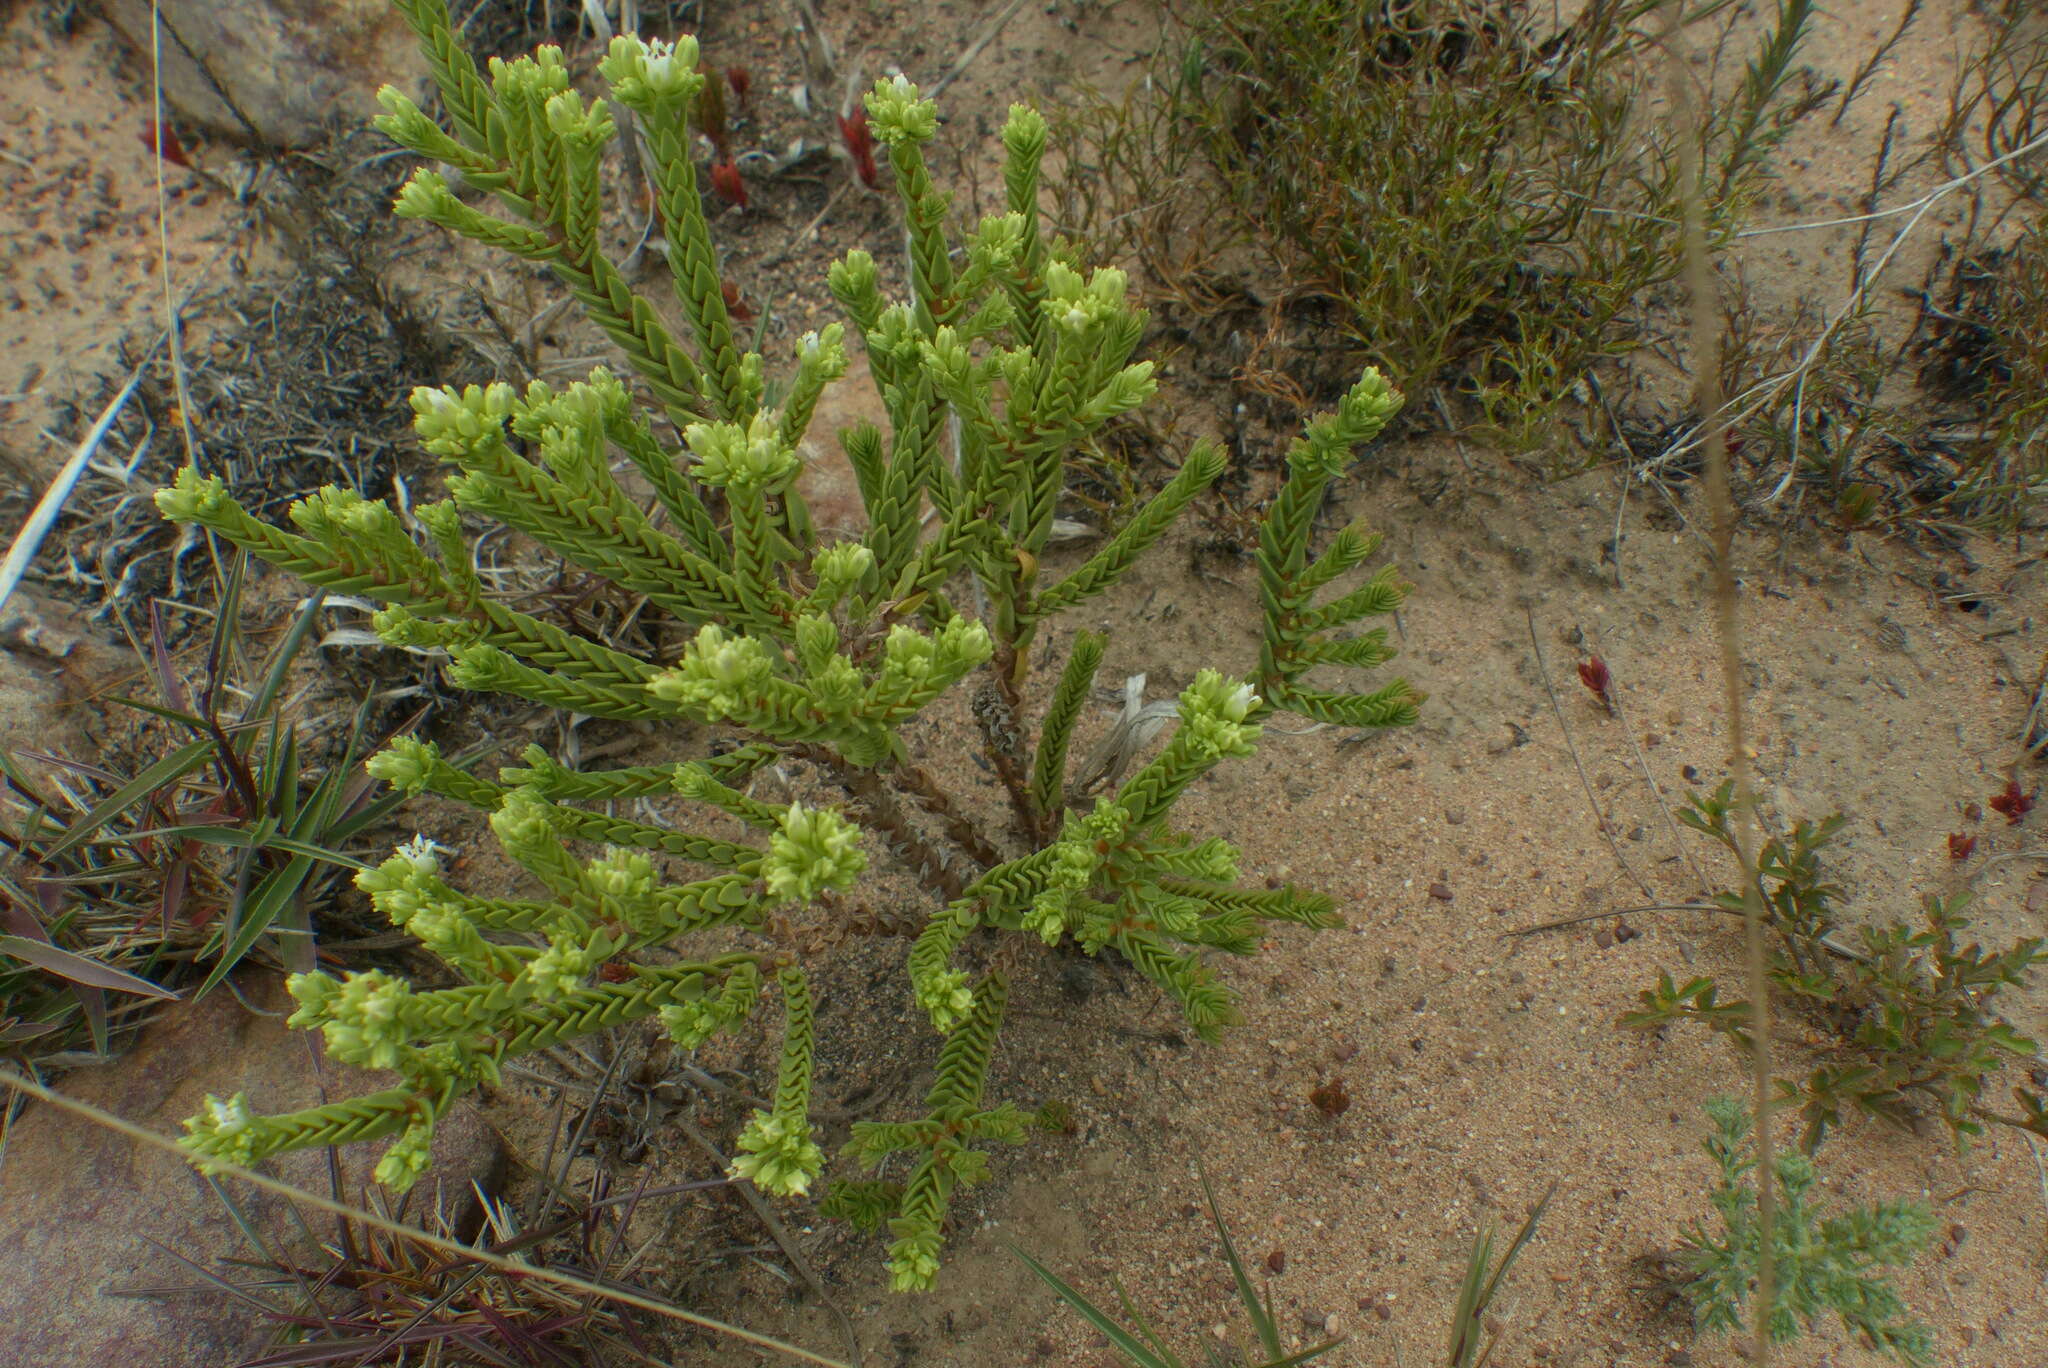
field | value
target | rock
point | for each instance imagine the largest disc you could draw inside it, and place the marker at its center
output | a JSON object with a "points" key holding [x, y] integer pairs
{"points": [[278, 72], [84, 1211]]}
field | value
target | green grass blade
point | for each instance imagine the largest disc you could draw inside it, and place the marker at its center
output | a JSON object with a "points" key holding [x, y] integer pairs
{"points": [[257, 915], [1261, 1315], [176, 765], [1121, 1339], [79, 969], [281, 662]]}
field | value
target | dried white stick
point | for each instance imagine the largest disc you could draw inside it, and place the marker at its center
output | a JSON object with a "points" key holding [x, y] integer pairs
{"points": [[29, 540]]}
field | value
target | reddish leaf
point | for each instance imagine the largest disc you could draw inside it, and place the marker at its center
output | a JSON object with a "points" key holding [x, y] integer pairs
{"points": [[734, 305], [1960, 846], [860, 145], [2013, 804], [1330, 1098], [741, 81], [1593, 674], [162, 139], [726, 182]]}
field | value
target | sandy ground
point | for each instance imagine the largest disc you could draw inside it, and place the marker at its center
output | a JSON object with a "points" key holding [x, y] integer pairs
{"points": [[1889, 679]]}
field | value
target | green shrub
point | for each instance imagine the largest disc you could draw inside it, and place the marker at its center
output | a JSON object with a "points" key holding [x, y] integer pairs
{"points": [[1910, 1011], [820, 653]]}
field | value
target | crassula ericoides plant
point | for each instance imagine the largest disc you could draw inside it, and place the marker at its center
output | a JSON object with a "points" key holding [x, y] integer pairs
{"points": [[1002, 361]]}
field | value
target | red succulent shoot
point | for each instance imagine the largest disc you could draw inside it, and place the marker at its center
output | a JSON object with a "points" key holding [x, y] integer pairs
{"points": [[741, 80], [726, 182], [860, 145], [1593, 674], [162, 139], [1960, 846], [2013, 803]]}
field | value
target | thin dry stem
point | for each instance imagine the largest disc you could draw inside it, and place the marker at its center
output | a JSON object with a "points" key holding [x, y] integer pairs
{"points": [[1706, 350]]}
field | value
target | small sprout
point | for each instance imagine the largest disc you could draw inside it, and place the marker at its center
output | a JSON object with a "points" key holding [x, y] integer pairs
{"points": [[2013, 804], [860, 145], [742, 82], [1594, 675], [1960, 846], [726, 182]]}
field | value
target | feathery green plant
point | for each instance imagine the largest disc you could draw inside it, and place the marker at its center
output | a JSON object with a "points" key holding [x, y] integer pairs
{"points": [[1821, 1264], [1003, 360]]}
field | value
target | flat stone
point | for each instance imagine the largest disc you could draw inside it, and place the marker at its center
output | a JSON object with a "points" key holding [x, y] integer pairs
{"points": [[85, 1212], [279, 72]]}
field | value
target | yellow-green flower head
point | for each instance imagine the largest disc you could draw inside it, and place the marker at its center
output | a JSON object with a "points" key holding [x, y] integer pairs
{"points": [[720, 673], [842, 563], [1326, 452], [1048, 914], [440, 929], [405, 764], [854, 275], [559, 970], [947, 356], [946, 996], [450, 422], [621, 873], [899, 115], [315, 993], [813, 849], [914, 1262], [752, 457], [425, 195], [407, 1158], [569, 120], [366, 1020], [192, 497], [532, 78], [896, 335], [405, 884], [908, 656], [1078, 307], [647, 72], [778, 1155], [1213, 711], [824, 351], [225, 1130], [1024, 132], [965, 643], [523, 822], [999, 239]]}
